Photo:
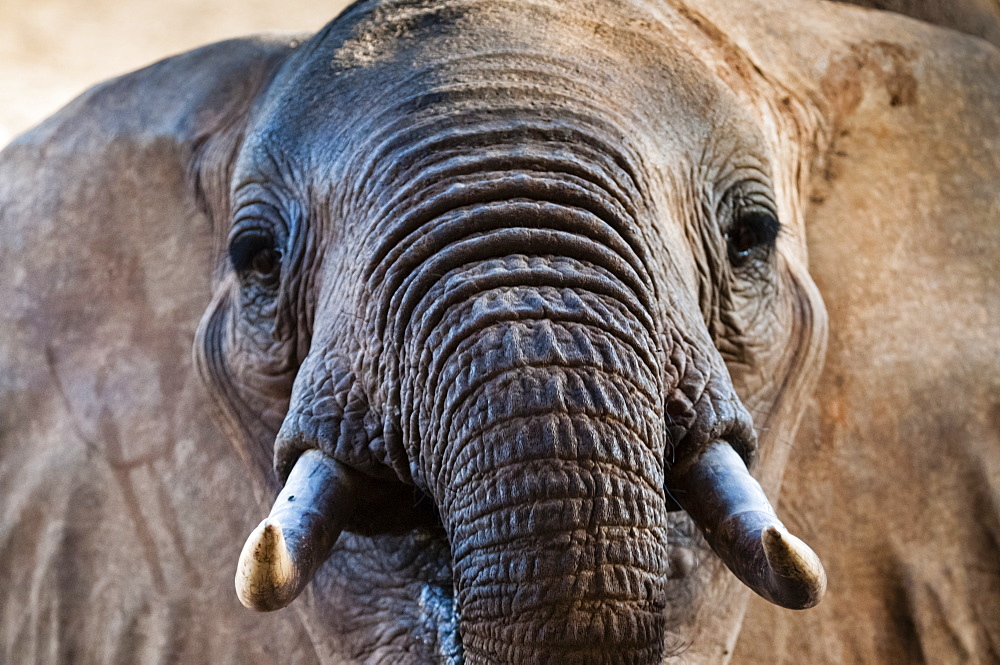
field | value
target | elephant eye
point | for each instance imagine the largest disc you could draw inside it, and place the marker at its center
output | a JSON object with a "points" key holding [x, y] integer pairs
{"points": [[752, 232], [255, 251]]}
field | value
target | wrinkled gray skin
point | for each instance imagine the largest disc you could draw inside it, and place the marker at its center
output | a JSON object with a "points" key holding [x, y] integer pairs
{"points": [[492, 258], [511, 319]]}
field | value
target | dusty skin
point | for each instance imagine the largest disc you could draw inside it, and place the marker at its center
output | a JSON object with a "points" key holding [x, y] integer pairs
{"points": [[872, 382]]}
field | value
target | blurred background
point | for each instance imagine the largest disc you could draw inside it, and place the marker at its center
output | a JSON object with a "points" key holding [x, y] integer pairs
{"points": [[52, 50]]}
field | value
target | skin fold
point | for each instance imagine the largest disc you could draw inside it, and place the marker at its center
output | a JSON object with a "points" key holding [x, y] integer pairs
{"points": [[498, 289]]}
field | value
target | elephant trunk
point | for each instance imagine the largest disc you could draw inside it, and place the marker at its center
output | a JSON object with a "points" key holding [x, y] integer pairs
{"points": [[531, 397], [546, 463], [555, 510], [561, 558]]}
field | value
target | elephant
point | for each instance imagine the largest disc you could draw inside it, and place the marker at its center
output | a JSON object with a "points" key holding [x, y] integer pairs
{"points": [[486, 330]]}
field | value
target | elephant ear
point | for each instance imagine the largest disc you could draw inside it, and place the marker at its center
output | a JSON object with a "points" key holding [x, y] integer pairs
{"points": [[895, 476], [119, 500]]}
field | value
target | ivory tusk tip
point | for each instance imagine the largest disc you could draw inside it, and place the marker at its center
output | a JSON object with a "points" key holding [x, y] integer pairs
{"points": [[270, 536], [285, 550], [796, 564], [266, 572]]}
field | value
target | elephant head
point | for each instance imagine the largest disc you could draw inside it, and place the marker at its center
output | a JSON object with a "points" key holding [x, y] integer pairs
{"points": [[488, 303], [508, 304]]}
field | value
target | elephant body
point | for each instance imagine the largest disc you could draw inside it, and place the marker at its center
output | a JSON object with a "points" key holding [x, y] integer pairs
{"points": [[511, 290]]}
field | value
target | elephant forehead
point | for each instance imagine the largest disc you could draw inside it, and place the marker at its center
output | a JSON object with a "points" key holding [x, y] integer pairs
{"points": [[380, 62]]}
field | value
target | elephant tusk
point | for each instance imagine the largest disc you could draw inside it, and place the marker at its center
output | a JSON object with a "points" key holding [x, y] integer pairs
{"points": [[285, 550], [731, 510]]}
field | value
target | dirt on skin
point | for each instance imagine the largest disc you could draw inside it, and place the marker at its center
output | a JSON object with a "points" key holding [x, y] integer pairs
{"points": [[52, 50]]}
